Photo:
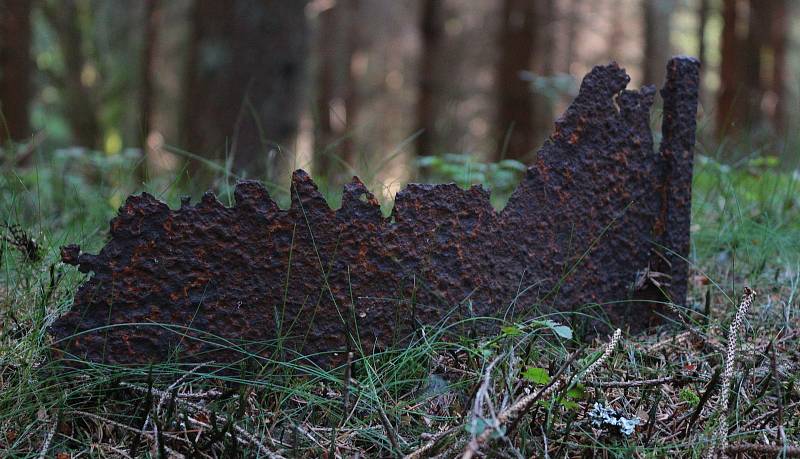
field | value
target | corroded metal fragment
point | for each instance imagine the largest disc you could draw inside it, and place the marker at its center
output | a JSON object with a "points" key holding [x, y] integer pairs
{"points": [[600, 218]]}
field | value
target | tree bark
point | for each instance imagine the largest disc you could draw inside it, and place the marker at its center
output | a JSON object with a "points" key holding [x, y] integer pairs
{"points": [[352, 101], [329, 57], [150, 37], [515, 131], [545, 66], [778, 39], [657, 48], [15, 69], [430, 73], [702, 21], [573, 26], [245, 82], [728, 72], [151, 13], [80, 101]]}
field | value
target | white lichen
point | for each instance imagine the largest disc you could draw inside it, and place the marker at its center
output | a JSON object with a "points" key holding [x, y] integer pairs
{"points": [[603, 417]]}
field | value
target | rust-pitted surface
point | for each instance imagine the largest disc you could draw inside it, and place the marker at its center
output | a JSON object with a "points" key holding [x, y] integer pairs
{"points": [[600, 217]]}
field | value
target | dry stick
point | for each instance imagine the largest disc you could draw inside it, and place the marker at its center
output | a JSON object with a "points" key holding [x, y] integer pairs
{"points": [[133, 429], [346, 389], [692, 329], [390, 432], [778, 392], [250, 438], [48, 439], [645, 382], [755, 421], [721, 433], [419, 452], [764, 450], [704, 399], [515, 411]]}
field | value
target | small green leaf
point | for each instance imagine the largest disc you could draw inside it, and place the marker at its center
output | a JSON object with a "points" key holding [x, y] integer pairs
{"points": [[578, 392], [512, 330], [569, 404], [537, 375], [688, 395], [563, 331], [560, 330]]}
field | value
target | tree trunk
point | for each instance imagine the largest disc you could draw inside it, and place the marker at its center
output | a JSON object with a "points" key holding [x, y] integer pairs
{"points": [[573, 26], [728, 72], [245, 82], [778, 38], [702, 21], [351, 93], [657, 48], [150, 37], [151, 12], [15, 69], [80, 101], [329, 56], [545, 66], [430, 73], [515, 130]]}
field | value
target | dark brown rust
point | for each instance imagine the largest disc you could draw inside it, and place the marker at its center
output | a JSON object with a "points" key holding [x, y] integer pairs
{"points": [[600, 218]]}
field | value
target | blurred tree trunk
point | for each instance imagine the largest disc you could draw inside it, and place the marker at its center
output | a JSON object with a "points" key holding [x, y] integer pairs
{"points": [[758, 32], [779, 31], [329, 57], [515, 130], [430, 75], [730, 46], [150, 37], [616, 36], [702, 20], [573, 25], [657, 48], [15, 69], [245, 82], [339, 38], [352, 101], [151, 13], [544, 58], [80, 100], [752, 94]]}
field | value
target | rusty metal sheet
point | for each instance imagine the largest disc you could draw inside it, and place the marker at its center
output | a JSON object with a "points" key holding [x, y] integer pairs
{"points": [[600, 218]]}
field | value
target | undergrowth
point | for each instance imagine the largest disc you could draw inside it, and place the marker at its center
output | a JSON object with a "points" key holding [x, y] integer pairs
{"points": [[536, 389]]}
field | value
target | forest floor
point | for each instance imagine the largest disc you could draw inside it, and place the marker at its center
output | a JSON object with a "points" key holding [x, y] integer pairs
{"points": [[534, 390]]}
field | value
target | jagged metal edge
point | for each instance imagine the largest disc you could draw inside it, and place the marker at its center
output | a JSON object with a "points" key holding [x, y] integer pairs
{"points": [[415, 212]]}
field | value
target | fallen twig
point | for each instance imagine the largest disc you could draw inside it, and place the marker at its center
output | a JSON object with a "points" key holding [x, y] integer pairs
{"points": [[763, 450], [515, 411]]}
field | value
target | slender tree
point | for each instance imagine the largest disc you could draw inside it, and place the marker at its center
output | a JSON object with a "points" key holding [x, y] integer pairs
{"points": [[430, 81], [729, 68], [779, 31], [545, 62], [151, 13], [327, 70], [245, 82], [339, 40], [81, 100], [657, 49], [15, 69], [703, 11], [573, 27], [515, 130], [352, 99]]}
